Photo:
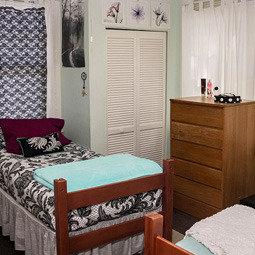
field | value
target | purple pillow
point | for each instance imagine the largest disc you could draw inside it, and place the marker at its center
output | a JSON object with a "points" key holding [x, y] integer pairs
{"points": [[14, 128]]}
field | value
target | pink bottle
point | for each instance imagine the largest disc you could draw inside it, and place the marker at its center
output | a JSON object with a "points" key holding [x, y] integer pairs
{"points": [[209, 88]]}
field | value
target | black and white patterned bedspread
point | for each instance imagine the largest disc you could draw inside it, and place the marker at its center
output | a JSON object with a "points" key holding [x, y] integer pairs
{"points": [[16, 178]]}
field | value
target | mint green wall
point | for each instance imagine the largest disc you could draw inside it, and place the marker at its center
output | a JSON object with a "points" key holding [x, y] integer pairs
{"points": [[86, 117], [75, 107], [173, 62]]}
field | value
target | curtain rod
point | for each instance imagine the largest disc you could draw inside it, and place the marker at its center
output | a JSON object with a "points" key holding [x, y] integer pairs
{"points": [[206, 3], [29, 2], [21, 1], [188, 2], [197, 1], [25, 1]]}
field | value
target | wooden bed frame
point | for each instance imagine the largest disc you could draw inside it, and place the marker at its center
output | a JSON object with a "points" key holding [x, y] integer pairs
{"points": [[154, 243], [68, 201]]}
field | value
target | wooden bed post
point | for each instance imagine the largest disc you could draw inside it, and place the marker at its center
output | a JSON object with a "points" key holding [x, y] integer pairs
{"points": [[155, 244], [153, 228], [167, 199], [61, 216]]}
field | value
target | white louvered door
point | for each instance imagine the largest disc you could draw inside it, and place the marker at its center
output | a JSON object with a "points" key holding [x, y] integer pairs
{"points": [[151, 95], [121, 65], [136, 63]]}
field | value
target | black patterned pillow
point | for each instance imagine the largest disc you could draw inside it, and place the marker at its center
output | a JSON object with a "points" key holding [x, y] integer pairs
{"points": [[36, 146], [2, 141]]}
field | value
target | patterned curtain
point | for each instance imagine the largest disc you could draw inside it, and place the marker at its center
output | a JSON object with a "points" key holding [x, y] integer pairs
{"points": [[23, 67]]}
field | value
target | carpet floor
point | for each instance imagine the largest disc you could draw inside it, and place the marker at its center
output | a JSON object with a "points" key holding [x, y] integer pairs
{"points": [[177, 237]]}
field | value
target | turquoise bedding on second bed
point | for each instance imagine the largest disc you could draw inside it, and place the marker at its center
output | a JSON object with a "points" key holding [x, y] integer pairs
{"points": [[96, 172], [192, 245]]}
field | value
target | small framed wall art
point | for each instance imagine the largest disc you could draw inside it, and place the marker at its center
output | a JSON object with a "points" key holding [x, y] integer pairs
{"points": [[138, 13], [113, 12], [160, 15]]}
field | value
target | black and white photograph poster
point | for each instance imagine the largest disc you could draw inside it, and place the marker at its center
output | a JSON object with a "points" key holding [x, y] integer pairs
{"points": [[160, 15], [138, 13], [113, 12], [73, 33]]}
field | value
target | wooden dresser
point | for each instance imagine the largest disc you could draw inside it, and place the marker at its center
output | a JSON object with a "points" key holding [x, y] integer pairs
{"points": [[213, 146]]}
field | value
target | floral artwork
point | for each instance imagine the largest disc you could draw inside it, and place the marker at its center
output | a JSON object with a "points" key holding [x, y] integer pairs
{"points": [[160, 15], [113, 12], [138, 13]]}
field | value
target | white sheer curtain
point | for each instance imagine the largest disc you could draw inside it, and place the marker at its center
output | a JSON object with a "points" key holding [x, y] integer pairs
{"points": [[53, 26], [251, 49], [218, 43]]}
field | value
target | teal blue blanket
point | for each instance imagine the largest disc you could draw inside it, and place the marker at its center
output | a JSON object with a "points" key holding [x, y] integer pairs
{"points": [[98, 171], [192, 245]]}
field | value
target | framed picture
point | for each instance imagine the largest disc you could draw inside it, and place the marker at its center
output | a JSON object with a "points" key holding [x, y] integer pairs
{"points": [[138, 13], [73, 33], [113, 12], [160, 15]]}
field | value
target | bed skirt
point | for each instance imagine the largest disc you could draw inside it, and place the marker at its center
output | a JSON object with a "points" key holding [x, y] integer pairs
{"points": [[31, 236]]}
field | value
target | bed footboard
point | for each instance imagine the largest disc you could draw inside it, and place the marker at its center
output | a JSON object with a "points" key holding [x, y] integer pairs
{"points": [[68, 201], [154, 243]]}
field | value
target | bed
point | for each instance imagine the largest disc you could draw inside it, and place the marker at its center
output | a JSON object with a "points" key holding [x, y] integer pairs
{"points": [[230, 231], [67, 201], [155, 244], [112, 212]]}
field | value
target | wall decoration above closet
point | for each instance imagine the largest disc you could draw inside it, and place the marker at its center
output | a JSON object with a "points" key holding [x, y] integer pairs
{"points": [[73, 33], [136, 14], [160, 15], [113, 12]]}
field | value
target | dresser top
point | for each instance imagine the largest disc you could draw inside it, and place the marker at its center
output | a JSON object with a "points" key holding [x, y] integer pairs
{"points": [[209, 101]]}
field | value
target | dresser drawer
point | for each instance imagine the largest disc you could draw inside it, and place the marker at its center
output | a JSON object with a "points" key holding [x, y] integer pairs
{"points": [[196, 153], [193, 207], [212, 137], [198, 173], [198, 191], [197, 114]]}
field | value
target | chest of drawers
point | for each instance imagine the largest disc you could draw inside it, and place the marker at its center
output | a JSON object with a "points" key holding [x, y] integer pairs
{"points": [[214, 150]]}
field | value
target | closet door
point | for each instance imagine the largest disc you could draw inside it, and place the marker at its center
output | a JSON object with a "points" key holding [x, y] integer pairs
{"points": [[151, 49], [136, 93], [121, 91]]}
